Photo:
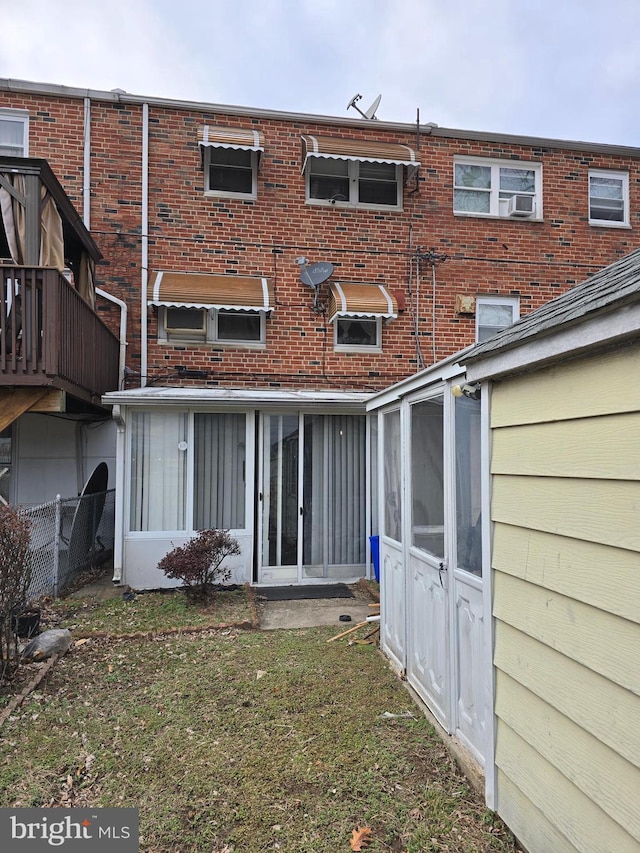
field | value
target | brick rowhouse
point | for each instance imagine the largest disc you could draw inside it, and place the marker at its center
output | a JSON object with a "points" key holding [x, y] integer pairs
{"points": [[533, 259]]}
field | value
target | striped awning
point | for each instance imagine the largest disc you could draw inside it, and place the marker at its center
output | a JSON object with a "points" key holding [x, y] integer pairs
{"points": [[354, 149], [230, 137], [196, 290], [357, 299]]}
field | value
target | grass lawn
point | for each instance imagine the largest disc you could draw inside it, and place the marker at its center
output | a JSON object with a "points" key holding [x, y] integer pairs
{"points": [[239, 740]]}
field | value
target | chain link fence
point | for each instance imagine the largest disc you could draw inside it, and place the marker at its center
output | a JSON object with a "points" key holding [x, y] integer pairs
{"points": [[68, 537]]}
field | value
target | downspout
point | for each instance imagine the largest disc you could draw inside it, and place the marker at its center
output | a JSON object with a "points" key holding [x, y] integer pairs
{"points": [[86, 171], [118, 526], [123, 332], [145, 245]]}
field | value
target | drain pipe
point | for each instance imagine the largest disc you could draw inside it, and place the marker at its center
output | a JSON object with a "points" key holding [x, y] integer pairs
{"points": [[86, 170], [123, 332], [145, 245]]}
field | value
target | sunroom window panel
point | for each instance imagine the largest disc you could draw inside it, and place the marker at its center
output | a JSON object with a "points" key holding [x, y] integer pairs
{"points": [[427, 476], [392, 476], [219, 471], [158, 471], [468, 487]]}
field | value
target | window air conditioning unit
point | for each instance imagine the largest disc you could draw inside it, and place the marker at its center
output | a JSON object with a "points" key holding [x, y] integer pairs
{"points": [[521, 205]]}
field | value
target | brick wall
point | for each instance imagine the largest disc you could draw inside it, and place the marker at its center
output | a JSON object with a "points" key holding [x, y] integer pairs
{"points": [[191, 232]]}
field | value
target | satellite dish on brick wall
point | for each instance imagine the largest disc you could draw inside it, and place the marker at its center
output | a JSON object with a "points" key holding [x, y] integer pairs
{"points": [[314, 274]]}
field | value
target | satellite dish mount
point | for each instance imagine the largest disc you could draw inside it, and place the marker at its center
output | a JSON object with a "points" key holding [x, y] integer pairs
{"points": [[369, 114]]}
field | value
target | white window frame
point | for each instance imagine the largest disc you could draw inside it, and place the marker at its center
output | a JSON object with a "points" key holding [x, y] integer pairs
{"points": [[513, 301], [219, 193], [498, 208], [353, 174], [623, 177], [208, 333], [18, 116], [342, 347]]}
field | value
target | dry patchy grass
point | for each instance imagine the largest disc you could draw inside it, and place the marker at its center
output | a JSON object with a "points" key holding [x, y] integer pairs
{"points": [[243, 741]]}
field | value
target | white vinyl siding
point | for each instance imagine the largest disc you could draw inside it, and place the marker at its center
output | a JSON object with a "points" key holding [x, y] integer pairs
{"points": [[566, 603]]}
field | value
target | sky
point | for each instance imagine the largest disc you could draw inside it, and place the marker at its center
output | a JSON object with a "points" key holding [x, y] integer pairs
{"points": [[561, 69]]}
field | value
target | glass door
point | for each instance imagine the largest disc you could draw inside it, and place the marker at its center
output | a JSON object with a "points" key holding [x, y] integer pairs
{"points": [[280, 504]]}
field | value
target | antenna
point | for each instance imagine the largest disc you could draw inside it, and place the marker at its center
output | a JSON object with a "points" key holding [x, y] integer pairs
{"points": [[369, 114]]}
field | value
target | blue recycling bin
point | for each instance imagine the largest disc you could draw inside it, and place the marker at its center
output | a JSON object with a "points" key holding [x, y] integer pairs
{"points": [[375, 556]]}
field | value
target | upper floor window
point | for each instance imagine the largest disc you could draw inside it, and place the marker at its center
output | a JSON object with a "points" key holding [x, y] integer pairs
{"points": [[201, 308], [213, 325], [357, 310], [495, 313], [507, 188], [14, 133], [608, 197], [230, 159], [349, 172]]}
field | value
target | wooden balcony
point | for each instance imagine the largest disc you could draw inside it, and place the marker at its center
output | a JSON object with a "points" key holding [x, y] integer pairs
{"points": [[51, 338]]}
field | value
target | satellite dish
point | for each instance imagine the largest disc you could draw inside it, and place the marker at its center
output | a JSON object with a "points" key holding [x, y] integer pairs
{"points": [[368, 114], [314, 274], [87, 517], [371, 112]]}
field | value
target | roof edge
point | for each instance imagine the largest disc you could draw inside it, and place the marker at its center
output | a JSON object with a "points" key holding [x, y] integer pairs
{"points": [[428, 129]]}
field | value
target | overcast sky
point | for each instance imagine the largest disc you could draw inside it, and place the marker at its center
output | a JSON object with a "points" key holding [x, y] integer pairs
{"points": [[565, 69]]}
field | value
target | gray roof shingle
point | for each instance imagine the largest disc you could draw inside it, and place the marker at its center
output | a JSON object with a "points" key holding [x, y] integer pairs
{"points": [[615, 285]]}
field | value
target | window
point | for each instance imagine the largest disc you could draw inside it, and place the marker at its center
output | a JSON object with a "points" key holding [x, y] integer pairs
{"points": [[497, 188], [230, 159], [356, 332], [229, 171], [494, 313], [608, 198], [14, 133], [352, 182], [177, 455], [427, 476], [213, 325], [357, 310]]}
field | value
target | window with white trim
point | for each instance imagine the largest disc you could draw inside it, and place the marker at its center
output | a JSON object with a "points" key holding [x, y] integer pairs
{"points": [[14, 133], [354, 182], [211, 326], [230, 172], [608, 197], [357, 333], [495, 313], [503, 188]]}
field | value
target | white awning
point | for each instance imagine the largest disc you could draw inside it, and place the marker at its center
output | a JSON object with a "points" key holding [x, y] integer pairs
{"points": [[230, 137], [363, 151], [199, 290], [360, 299]]}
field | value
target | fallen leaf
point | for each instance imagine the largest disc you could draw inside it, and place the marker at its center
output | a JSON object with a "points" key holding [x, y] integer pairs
{"points": [[81, 642], [261, 673], [110, 668], [359, 837]]}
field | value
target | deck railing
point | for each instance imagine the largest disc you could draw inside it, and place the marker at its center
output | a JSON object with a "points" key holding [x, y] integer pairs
{"points": [[50, 336]]}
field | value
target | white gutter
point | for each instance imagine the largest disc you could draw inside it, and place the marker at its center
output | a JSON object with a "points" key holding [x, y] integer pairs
{"points": [[123, 331], [145, 244], [86, 170]]}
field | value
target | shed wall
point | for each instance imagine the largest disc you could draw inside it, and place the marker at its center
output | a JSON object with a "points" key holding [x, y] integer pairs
{"points": [[565, 495]]}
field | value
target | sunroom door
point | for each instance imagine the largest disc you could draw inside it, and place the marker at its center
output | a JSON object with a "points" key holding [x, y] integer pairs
{"points": [[313, 498], [428, 662]]}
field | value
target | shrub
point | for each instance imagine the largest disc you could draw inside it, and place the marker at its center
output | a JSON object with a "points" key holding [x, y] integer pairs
{"points": [[15, 576], [198, 564]]}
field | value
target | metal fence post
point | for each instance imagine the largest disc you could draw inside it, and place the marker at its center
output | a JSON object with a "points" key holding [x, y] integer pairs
{"points": [[56, 546]]}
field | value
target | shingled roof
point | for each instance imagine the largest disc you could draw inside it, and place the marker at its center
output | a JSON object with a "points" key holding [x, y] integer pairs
{"points": [[608, 289]]}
